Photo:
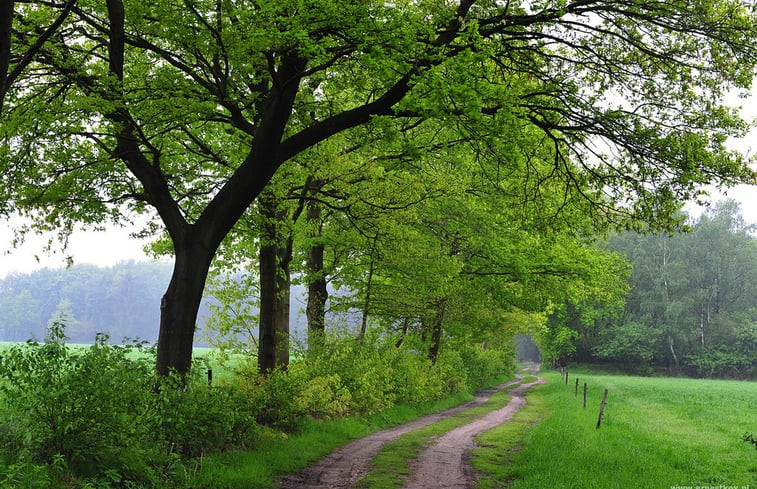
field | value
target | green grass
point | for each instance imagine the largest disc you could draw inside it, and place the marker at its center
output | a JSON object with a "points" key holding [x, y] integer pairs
{"points": [[277, 454], [493, 461], [392, 463], [657, 433], [201, 356]]}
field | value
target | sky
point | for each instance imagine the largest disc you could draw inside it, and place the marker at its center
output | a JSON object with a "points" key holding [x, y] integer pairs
{"points": [[114, 245]]}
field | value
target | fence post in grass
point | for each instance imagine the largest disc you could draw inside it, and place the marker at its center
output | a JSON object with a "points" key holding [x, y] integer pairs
{"points": [[566, 376], [584, 395], [210, 376], [575, 394], [602, 409]]}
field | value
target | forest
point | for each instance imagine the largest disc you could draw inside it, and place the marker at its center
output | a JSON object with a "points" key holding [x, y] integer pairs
{"points": [[122, 301], [690, 307], [436, 176]]}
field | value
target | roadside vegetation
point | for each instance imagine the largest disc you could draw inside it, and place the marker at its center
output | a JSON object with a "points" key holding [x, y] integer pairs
{"points": [[97, 416]]}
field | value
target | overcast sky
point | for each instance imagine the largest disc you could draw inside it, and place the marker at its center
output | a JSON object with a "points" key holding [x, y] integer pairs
{"points": [[116, 245]]}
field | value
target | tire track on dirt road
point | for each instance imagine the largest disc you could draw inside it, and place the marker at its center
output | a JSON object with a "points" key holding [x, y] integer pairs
{"points": [[446, 463]]}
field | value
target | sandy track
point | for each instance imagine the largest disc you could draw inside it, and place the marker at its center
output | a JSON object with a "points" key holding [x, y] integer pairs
{"points": [[342, 468], [445, 464]]}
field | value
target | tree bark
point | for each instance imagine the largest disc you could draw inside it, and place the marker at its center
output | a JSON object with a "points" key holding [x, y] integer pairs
{"points": [[368, 287], [179, 307], [6, 27], [275, 279], [403, 333], [317, 292], [283, 300], [267, 314], [672, 351]]}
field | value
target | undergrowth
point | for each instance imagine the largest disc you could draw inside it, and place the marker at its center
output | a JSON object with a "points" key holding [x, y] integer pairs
{"points": [[98, 417]]}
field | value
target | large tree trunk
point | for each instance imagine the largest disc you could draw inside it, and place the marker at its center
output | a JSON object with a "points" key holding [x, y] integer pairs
{"points": [[317, 292], [267, 314], [179, 307], [367, 301], [274, 259], [283, 299], [6, 24]]}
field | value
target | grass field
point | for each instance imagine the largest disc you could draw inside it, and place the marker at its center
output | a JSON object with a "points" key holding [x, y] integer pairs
{"points": [[657, 433]]}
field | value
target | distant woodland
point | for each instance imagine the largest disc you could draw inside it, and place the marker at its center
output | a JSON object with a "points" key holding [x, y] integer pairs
{"points": [[690, 306], [122, 301]]}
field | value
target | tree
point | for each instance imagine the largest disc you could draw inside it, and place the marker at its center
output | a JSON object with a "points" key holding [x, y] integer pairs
{"points": [[689, 302], [189, 108]]}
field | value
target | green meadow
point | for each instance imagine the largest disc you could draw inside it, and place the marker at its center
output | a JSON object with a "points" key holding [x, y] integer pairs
{"points": [[657, 433]]}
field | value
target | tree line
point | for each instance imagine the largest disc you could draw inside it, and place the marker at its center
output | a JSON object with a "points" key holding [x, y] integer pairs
{"points": [[690, 308], [449, 164], [121, 301]]}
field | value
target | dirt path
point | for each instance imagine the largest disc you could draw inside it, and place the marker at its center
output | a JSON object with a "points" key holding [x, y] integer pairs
{"points": [[342, 468], [445, 464]]}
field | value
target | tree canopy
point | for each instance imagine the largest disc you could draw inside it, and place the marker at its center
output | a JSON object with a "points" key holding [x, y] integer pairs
{"points": [[187, 109]]}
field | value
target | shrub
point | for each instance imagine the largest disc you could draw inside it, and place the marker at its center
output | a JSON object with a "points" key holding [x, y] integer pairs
{"points": [[482, 364], [451, 371], [709, 362], [94, 418], [324, 396], [80, 409], [272, 398], [196, 419]]}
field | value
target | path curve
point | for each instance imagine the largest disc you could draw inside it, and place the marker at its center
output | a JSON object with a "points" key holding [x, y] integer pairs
{"points": [[446, 464], [342, 468]]}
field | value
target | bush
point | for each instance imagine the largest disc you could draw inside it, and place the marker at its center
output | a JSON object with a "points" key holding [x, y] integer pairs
{"points": [[483, 364], [364, 368], [324, 396], [451, 371], [196, 419], [83, 410], [709, 362], [94, 418]]}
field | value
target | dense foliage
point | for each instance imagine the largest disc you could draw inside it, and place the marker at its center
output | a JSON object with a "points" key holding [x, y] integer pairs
{"points": [[95, 416], [691, 306], [186, 110]]}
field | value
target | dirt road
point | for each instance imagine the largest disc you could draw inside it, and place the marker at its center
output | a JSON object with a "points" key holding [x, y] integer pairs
{"points": [[443, 465]]}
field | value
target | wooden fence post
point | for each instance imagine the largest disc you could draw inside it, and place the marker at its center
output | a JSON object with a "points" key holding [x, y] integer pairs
{"points": [[602, 409], [210, 376], [584, 395], [575, 394], [566, 376]]}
